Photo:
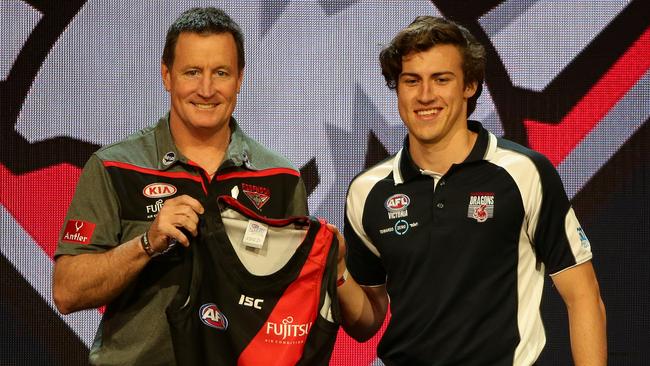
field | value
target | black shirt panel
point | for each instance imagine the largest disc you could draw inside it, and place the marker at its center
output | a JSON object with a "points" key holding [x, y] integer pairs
{"points": [[469, 293], [464, 261]]}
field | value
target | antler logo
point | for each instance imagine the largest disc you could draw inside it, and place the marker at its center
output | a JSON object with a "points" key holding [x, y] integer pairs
{"points": [[78, 232]]}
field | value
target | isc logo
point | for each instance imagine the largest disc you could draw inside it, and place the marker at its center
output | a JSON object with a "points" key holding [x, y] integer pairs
{"points": [[212, 317], [250, 302], [397, 202]]}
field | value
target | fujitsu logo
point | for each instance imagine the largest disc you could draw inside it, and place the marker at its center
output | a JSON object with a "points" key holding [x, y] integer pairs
{"points": [[152, 210], [287, 332], [158, 190]]}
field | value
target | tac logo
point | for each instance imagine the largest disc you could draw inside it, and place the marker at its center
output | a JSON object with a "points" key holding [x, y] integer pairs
{"points": [[159, 190], [78, 232], [481, 206], [258, 195], [212, 317], [401, 227], [396, 205]]}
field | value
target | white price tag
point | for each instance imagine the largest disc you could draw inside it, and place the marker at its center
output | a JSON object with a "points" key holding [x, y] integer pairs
{"points": [[255, 234]]}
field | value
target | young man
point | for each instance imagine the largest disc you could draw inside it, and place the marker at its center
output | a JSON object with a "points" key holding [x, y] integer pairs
{"points": [[137, 198], [459, 227]]}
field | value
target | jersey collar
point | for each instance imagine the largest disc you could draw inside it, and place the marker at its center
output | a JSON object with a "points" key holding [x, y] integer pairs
{"points": [[405, 169]]}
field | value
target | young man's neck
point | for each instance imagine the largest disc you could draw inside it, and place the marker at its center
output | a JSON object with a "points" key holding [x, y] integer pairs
{"points": [[204, 147], [439, 156]]}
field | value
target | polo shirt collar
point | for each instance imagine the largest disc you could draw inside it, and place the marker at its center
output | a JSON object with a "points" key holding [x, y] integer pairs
{"points": [[168, 154], [238, 152], [405, 169]]}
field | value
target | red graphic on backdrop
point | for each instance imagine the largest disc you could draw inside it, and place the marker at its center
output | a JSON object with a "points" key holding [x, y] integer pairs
{"points": [[557, 141], [38, 208]]}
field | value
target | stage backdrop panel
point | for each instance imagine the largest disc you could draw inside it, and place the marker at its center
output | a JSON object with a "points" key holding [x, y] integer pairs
{"points": [[570, 79]]}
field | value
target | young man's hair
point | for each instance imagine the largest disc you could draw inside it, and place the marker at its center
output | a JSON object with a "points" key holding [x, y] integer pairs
{"points": [[422, 34], [203, 21]]}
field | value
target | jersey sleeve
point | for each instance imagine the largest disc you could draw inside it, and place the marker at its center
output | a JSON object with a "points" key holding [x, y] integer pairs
{"points": [[92, 223], [559, 241], [362, 258]]}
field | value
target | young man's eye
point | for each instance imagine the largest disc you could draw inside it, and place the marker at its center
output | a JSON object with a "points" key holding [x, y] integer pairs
{"points": [[192, 72], [222, 73]]}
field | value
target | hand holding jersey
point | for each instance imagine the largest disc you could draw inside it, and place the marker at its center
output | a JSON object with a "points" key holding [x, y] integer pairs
{"points": [[177, 213], [363, 308]]}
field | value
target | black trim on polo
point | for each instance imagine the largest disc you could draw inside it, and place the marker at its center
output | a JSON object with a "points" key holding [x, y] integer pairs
{"points": [[410, 170], [482, 142], [407, 166]]}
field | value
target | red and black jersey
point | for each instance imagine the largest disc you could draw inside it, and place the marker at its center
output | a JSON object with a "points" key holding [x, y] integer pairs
{"points": [[225, 315]]}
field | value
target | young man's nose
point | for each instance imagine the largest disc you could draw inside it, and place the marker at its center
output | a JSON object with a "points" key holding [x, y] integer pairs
{"points": [[426, 93]]}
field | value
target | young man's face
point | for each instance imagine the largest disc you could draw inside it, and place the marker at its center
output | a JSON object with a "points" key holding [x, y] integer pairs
{"points": [[432, 99], [203, 81]]}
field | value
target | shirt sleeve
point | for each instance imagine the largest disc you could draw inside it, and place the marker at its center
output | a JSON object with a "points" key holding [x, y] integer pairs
{"points": [[362, 257], [92, 223], [298, 204], [558, 238]]}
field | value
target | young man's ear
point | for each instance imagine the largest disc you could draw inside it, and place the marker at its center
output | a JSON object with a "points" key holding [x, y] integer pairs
{"points": [[470, 90]]}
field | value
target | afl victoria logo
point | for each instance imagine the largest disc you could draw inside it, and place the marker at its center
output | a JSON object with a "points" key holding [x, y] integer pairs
{"points": [[159, 190], [212, 317], [397, 202]]}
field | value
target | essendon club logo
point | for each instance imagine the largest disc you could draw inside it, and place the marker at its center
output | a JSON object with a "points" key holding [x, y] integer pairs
{"points": [[159, 190], [78, 232], [212, 317], [258, 195]]}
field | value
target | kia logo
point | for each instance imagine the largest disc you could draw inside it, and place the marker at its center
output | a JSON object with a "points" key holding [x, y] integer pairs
{"points": [[159, 190]]}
